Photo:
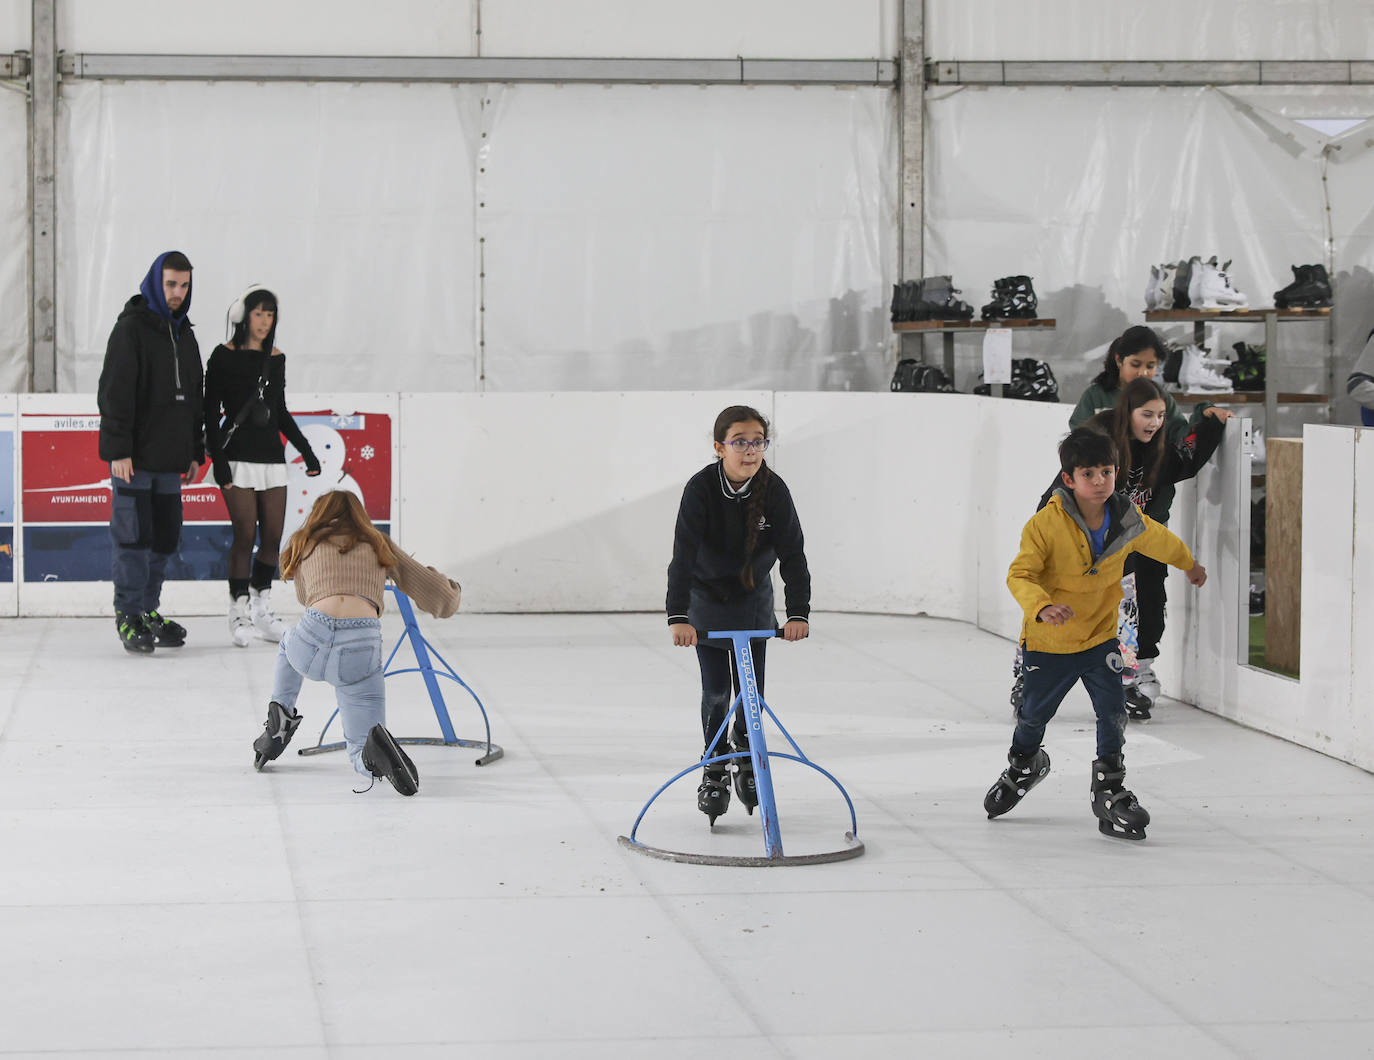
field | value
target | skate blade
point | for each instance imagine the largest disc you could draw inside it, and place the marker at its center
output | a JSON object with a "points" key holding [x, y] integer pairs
{"points": [[1116, 832]]}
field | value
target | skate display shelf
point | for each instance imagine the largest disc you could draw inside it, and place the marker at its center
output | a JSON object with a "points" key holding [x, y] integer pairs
{"points": [[753, 707], [947, 329], [425, 667], [1245, 397], [1270, 318]]}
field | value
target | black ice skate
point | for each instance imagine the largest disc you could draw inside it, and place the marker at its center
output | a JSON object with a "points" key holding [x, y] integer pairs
{"points": [[383, 757], [935, 300], [133, 633], [1023, 772], [1118, 813], [1138, 704], [746, 789], [1013, 298], [166, 633], [1311, 288], [713, 794], [281, 725]]}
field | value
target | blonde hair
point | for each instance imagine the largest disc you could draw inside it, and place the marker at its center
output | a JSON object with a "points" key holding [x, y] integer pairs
{"points": [[336, 514]]}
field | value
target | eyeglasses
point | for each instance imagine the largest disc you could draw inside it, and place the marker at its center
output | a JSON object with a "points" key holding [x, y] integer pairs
{"points": [[741, 445]]}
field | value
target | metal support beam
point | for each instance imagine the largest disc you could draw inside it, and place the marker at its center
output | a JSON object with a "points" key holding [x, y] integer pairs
{"points": [[735, 71], [911, 112], [1254, 72], [14, 67], [43, 200]]}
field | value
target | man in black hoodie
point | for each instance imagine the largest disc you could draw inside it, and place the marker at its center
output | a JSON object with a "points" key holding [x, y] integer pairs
{"points": [[152, 435]]}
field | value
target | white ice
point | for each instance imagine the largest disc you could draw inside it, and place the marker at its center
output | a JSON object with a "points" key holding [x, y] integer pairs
{"points": [[158, 898]]}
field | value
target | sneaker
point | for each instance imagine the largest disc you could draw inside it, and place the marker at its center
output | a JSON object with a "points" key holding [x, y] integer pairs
{"points": [[268, 625], [240, 624], [166, 633], [133, 633], [383, 757]]}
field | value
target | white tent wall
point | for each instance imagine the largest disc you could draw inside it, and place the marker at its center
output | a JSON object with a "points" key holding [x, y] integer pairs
{"points": [[662, 238], [15, 25], [14, 241], [992, 30], [1084, 188], [353, 202], [783, 29]]}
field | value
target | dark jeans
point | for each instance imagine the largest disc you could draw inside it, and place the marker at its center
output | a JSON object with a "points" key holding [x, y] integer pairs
{"points": [[719, 686], [145, 530], [1048, 680], [1150, 601]]}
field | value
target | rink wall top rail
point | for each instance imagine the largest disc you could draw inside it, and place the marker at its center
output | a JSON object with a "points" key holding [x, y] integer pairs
{"points": [[1200, 72]]}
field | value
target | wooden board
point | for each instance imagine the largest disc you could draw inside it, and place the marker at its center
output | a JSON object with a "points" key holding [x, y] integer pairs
{"points": [[1247, 397], [1250, 314], [1283, 553], [974, 325]]}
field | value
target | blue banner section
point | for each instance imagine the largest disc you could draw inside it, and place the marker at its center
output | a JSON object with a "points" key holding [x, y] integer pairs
{"points": [[81, 553], [6, 553]]}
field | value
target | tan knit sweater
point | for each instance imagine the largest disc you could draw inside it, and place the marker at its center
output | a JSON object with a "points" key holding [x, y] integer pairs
{"points": [[357, 572]]}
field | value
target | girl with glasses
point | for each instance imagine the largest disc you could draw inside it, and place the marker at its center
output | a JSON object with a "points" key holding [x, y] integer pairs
{"points": [[735, 521]]}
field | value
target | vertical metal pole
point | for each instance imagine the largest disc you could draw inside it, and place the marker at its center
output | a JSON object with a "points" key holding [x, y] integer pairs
{"points": [[417, 643], [751, 704], [1271, 382], [43, 199], [911, 98]]}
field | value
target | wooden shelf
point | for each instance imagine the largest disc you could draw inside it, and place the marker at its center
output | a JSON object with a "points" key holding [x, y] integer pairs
{"points": [[1249, 314], [1246, 397], [973, 325]]}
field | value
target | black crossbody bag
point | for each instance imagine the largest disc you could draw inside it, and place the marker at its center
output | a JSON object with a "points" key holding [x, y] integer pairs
{"points": [[255, 407]]}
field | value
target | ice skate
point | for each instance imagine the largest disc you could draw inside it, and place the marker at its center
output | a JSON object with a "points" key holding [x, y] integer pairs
{"points": [[1311, 288], [746, 789], [1138, 704], [166, 633], [281, 725], [1013, 298], [1182, 277], [240, 624], [268, 625], [1023, 772], [133, 633], [1209, 287], [1146, 680], [1118, 813], [1196, 372], [1159, 289], [383, 757], [713, 794], [935, 300]]}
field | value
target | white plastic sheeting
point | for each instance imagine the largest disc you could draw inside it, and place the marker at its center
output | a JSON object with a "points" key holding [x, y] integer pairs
{"points": [[354, 203], [687, 237], [972, 30], [1084, 188], [630, 237], [14, 25], [14, 242]]}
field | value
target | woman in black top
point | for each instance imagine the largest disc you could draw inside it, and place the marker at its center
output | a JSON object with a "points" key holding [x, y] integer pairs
{"points": [[735, 521], [245, 417]]}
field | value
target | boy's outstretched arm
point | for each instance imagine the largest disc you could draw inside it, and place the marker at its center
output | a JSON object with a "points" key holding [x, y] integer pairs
{"points": [[1162, 544]]}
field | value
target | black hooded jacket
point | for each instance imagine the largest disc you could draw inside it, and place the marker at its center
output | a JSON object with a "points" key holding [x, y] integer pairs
{"points": [[150, 385]]}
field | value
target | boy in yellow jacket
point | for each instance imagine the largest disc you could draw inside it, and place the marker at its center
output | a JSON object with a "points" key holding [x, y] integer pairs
{"points": [[1067, 579]]}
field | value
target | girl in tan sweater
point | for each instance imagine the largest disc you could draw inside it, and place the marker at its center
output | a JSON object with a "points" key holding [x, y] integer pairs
{"points": [[340, 563]]}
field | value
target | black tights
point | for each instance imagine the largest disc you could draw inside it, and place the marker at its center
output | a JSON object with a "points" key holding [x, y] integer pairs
{"points": [[255, 514]]}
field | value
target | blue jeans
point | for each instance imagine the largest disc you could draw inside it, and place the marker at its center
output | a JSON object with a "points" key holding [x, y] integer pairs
{"points": [[345, 652], [1048, 679], [145, 530]]}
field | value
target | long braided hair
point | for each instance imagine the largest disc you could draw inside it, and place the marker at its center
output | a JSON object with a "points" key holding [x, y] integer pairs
{"points": [[753, 512]]}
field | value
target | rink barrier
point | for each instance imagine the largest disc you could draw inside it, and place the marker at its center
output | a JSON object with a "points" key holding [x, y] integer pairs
{"points": [[753, 706], [425, 667]]}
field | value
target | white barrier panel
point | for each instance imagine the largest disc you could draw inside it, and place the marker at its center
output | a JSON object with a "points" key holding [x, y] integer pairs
{"points": [[554, 502], [9, 517]]}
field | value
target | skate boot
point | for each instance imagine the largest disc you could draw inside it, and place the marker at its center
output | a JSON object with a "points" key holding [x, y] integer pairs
{"points": [[1023, 772], [1210, 288], [713, 794], [1182, 278], [1159, 289], [1311, 288], [1118, 813], [240, 623], [268, 625], [166, 633], [936, 301], [1198, 372], [1146, 680], [1246, 372], [281, 725], [383, 757], [1138, 705], [746, 790], [133, 633]]}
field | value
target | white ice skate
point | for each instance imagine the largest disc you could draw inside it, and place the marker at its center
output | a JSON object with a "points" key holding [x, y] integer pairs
{"points": [[240, 624], [1197, 372], [1159, 289], [1146, 681], [1209, 287], [268, 625]]}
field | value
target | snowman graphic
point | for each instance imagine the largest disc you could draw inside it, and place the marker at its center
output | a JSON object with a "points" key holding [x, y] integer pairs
{"points": [[302, 490]]}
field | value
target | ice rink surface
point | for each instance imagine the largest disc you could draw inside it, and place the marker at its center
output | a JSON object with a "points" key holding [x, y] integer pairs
{"points": [[159, 898]]}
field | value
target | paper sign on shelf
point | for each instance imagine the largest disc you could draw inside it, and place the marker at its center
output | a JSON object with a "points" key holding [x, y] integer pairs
{"points": [[997, 356]]}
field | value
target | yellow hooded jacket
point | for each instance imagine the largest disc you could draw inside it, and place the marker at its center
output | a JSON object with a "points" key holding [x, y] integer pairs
{"points": [[1055, 566]]}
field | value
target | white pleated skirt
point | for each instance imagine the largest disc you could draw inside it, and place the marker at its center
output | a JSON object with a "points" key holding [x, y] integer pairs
{"points": [[257, 476]]}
